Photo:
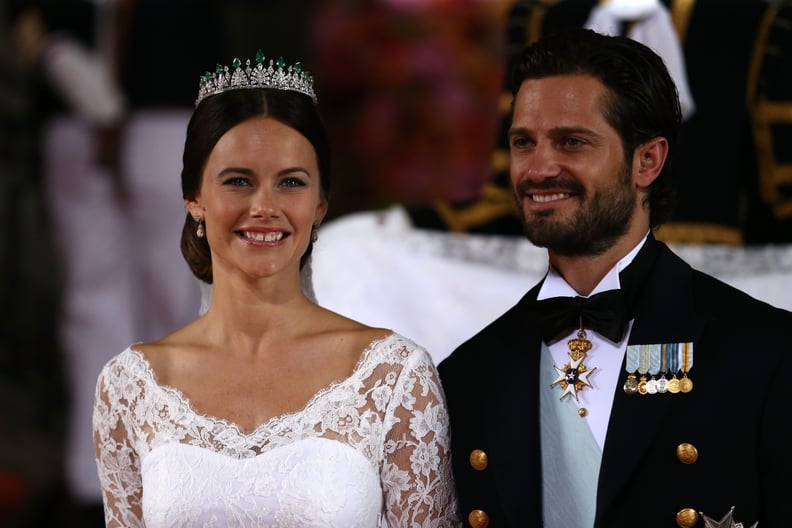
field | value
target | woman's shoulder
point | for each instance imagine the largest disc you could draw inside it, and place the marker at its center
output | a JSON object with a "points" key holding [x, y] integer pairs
{"points": [[126, 366], [128, 357], [397, 349]]}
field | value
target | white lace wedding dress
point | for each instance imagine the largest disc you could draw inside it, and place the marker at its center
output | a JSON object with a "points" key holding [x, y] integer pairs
{"points": [[371, 450]]}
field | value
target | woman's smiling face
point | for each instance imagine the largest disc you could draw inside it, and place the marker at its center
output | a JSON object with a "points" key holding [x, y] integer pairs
{"points": [[260, 197]]}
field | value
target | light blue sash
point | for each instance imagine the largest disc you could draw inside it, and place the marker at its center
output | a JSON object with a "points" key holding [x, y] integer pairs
{"points": [[570, 457]]}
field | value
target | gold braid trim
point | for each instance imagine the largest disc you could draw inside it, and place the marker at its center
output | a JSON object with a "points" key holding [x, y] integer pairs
{"points": [[765, 113], [533, 27], [493, 203], [501, 160], [680, 15], [698, 233]]}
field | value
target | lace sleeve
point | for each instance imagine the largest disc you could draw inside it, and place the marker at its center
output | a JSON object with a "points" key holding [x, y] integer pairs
{"points": [[116, 459], [416, 473]]}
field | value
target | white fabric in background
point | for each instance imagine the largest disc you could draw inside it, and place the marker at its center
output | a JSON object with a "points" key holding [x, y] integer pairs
{"points": [[654, 28], [429, 286]]}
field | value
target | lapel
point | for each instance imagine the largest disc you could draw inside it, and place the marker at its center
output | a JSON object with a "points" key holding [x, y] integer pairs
{"points": [[663, 313], [514, 404]]}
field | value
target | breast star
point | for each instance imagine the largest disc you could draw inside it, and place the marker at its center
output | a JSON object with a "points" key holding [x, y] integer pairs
{"points": [[726, 522]]}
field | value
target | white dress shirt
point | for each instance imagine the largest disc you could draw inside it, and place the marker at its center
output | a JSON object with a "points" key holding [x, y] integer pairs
{"points": [[605, 356]]}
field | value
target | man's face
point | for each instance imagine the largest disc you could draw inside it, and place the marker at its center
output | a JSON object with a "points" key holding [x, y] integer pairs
{"points": [[572, 183]]}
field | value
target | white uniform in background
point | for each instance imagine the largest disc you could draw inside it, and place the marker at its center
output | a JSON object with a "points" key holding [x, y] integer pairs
{"points": [[125, 279]]}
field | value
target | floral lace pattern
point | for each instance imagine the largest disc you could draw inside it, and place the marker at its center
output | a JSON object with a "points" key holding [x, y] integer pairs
{"points": [[369, 450]]}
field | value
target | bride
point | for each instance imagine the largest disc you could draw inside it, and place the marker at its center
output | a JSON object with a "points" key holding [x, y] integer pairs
{"points": [[268, 410]]}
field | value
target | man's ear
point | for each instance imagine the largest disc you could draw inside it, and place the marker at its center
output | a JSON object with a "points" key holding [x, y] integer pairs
{"points": [[649, 160]]}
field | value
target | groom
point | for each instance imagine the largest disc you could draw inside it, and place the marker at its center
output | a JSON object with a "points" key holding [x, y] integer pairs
{"points": [[625, 389]]}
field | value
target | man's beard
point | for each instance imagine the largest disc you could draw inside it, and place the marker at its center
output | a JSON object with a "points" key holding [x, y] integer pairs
{"points": [[602, 219]]}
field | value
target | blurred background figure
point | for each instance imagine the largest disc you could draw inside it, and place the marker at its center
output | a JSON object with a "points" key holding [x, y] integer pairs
{"points": [[111, 129], [32, 393]]}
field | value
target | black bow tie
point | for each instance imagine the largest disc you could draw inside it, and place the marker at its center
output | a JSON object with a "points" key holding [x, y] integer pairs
{"points": [[604, 312]]}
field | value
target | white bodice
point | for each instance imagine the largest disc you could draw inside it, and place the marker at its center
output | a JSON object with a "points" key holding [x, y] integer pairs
{"points": [[370, 450]]}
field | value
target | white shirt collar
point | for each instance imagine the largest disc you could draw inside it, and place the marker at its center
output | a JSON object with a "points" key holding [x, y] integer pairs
{"points": [[555, 286]]}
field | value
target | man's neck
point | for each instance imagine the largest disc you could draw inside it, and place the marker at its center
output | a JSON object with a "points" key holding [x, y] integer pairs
{"points": [[584, 273]]}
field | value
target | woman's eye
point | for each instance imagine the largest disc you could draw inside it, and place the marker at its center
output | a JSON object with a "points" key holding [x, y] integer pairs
{"points": [[292, 182], [237, 182]]}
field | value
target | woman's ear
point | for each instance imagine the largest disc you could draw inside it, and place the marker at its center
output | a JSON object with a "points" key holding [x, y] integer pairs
{"points": [[649, 160], [194, 208], [321, 211]]}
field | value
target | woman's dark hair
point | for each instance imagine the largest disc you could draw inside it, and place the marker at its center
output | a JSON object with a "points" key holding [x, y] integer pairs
{"points": [[219, 113], [642, 104]]}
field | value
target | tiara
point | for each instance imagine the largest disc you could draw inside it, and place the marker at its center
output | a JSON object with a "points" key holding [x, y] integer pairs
{"points": [[276, 75]]}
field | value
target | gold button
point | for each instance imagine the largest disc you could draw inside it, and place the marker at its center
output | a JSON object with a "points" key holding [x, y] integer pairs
{"points": [[478, 459], [687, 453], [582, 412], [687, 518], [478, 519]]}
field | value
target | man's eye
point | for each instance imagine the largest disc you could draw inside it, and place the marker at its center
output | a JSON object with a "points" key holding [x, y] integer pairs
{"points": [[519, 141], [572, 142]]}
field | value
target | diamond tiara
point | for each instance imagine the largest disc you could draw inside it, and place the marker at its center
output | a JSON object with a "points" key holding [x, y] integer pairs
{"points": [[276, 75]]}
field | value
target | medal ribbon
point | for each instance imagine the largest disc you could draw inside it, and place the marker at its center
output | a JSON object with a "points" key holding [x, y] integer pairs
{"points": [[687, 357], [655, 352], [631, 364], [672, 357], [643, 365]]}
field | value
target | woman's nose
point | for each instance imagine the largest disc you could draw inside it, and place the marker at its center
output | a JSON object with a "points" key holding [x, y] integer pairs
{"points": [[264, 203]]}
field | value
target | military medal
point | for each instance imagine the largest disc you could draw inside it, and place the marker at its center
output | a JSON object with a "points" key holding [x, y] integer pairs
{"points": [[631, 384], [654, 368], [631, 366], [643, 367], [574, 376], [662, 383], [651, 360], [671, 351], [686, 384]]}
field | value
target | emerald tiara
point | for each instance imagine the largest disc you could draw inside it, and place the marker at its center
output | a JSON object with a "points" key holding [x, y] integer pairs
{"points": [[276, 75]]}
